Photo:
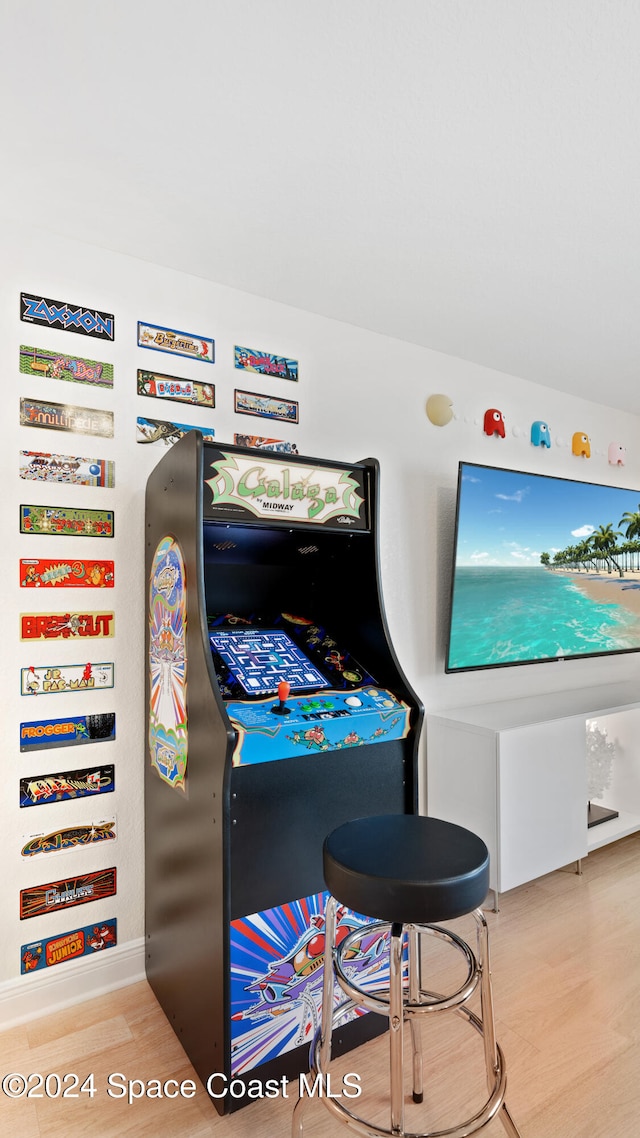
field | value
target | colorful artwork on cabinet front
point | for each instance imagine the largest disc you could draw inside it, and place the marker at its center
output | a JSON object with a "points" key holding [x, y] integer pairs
{"points": [[158, 386], [176, 343], [81, 942], [66, 625], [66, 417], [71, 318], [40, 734], [263, 363], [168, 733], [260, 443], [36, 572], [36, 466], [38, 900], [45, 789], [69, 838], [54, 679], [64, 522], [276, 975], [159, 431], [60, 365]]}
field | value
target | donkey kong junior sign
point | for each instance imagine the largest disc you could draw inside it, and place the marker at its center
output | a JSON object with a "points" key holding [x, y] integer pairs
{"points": [[269, 488]]}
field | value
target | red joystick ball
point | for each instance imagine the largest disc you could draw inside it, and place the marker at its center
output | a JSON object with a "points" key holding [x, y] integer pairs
{"points": [[283, 694]]}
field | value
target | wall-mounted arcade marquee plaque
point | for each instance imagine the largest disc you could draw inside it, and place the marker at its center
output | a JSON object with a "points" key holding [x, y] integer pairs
{"points": [[69, 731], [263, 363], [44, 789], [244, 487], [162, 431], [176, 343], [62, 365], [36, 572], [69, 838], [37, 466], [258, 442], [62, 521], [158, 386], [80, 942], [41, 679], [265, 406], [65, 625], [67, 893], [63, 314], [66, 417]]}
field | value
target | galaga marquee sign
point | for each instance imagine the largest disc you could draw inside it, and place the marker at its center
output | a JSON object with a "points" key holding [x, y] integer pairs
{"points": [[270, 489]]}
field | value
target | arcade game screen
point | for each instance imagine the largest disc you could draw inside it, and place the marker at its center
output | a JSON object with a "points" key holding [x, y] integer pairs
{"points": [[252, 654], [259, 659]]}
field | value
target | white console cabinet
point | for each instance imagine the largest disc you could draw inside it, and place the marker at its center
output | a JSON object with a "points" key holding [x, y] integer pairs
{"points": [[515, 772]]}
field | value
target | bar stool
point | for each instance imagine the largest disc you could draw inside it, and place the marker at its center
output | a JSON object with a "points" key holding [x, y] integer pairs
{"points": [[406, 872]]}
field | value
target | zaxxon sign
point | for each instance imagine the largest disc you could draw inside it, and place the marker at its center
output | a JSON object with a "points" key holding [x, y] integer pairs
{"points": [[70, 317], [247, 488]]}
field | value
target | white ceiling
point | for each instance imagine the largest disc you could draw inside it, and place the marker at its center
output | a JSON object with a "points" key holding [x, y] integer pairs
{"points": [[463, 174]]}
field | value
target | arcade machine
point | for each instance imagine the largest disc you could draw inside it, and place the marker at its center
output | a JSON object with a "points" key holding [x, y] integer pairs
{"points": [[277, 710]]}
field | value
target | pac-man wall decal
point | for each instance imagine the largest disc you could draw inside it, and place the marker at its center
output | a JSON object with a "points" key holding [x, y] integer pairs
{"points": [[581, 444], [617, 454], [439, 410], [540, 434], [494, 422]]}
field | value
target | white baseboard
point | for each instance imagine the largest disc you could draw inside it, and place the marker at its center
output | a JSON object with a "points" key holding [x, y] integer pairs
{"points": [[41, 993]]}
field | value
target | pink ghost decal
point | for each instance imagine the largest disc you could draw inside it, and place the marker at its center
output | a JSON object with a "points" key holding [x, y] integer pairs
{"points": [[494, 422], [617, 454]]}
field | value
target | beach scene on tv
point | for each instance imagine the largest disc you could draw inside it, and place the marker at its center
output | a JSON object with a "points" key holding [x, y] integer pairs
{"points": [[545, 568]]}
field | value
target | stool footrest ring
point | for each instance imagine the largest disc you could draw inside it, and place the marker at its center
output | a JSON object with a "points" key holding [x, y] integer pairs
{"points": [[402, 998], [363, 1126]]}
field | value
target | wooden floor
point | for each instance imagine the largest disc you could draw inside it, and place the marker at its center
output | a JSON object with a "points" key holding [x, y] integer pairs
{"points": [[566, 972]]}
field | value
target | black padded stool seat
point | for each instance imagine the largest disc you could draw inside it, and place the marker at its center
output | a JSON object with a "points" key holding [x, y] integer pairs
{"points": [[402, 874], [406, 868]]}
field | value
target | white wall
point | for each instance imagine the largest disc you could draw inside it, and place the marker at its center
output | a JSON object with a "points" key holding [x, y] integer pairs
{"points": [[360, 394]]}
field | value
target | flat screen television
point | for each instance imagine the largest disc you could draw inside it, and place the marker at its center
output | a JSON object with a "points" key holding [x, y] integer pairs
{"points": [[544, 569]]}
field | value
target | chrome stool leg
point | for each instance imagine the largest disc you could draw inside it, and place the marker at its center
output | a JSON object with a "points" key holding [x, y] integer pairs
{"points": [[397, 1005], [328, 983], [415, 981], [486, 998], [488, 1019], [396, 1023], [296, 1120]]}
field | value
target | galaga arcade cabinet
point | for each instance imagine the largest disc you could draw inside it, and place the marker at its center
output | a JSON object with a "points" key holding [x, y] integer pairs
{"points": [[277, 711]]}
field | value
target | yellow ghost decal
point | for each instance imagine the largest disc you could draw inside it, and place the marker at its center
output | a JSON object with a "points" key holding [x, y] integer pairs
{"points": [[581, 445]]}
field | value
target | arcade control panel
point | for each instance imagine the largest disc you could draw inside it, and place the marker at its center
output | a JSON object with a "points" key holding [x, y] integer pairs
{"points": [[291, 690]]}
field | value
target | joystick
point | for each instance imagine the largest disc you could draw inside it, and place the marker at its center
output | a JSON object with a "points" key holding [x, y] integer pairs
{"points": [[283, 694]]}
